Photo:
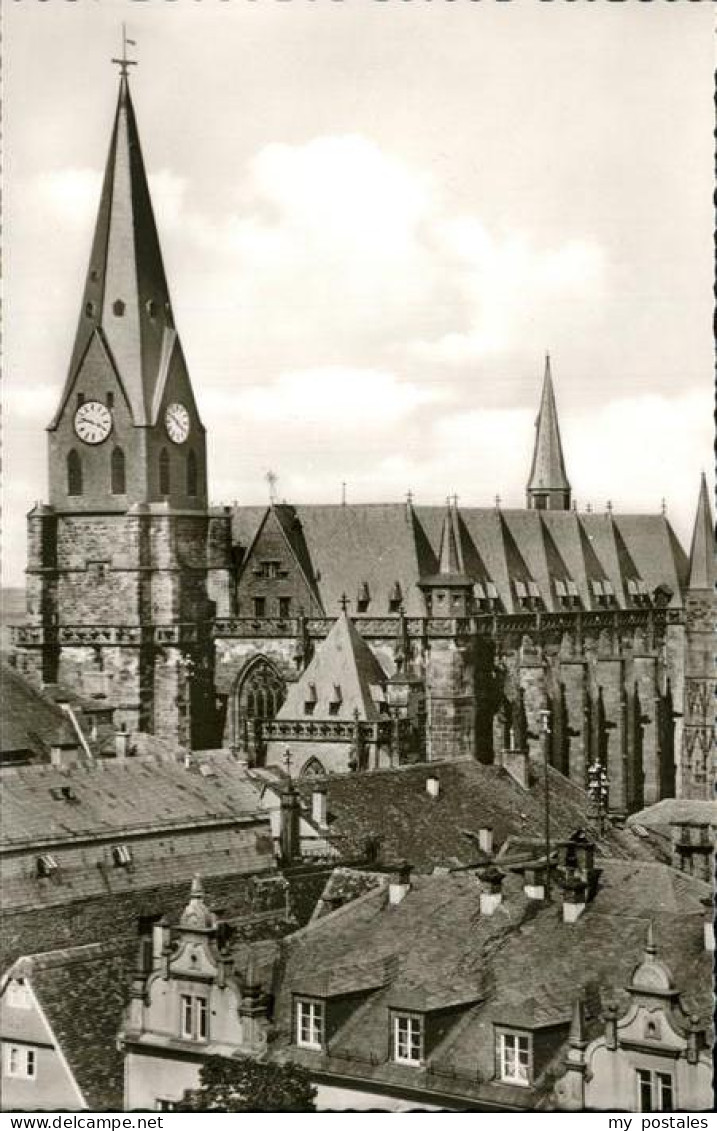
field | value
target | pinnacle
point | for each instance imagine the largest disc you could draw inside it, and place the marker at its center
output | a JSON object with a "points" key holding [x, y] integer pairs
{"points": [[702, 565]]}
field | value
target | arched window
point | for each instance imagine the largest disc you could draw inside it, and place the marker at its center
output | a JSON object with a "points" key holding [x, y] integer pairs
{"points": [[74, 473], [164, 472], [312, 769], [192, 476], [117, 472]]}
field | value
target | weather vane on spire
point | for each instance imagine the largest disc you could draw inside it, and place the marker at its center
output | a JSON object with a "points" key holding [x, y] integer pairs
{"points": [[124, 62]]}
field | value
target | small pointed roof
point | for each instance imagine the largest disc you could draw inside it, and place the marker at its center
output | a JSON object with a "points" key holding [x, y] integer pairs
{"points": [[702, 553], [343, 672], [547, 471], [196, 915], [126, 299], [450, 557]]}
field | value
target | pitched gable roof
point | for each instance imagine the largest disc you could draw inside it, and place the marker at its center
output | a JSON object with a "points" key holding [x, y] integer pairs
{"points": [[31, 721], [344, 661], [82, 992]]}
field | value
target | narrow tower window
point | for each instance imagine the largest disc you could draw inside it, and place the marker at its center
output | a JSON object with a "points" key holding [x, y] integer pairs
{"points": [[118, 478], [74, 473], [164, 472], [192, 475]]}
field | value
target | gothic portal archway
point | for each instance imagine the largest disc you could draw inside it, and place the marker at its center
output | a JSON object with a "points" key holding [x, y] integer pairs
{"points": [[312, 769], [257, 695]]}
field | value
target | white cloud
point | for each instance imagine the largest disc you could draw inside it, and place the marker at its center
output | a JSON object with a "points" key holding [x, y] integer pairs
{"points": [[70, 195], [336, 397]]}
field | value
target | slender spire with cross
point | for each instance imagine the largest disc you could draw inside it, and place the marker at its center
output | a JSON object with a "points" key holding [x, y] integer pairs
{"points": [[124, 62]]}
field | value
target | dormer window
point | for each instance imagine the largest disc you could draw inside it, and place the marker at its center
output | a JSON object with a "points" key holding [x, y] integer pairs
{"points": [[533, 591], [395, 599], [407, 1034], [268, 570], [336, 700], [637, 590], [309, 1023], [514, 1056], [603, 591], [363, 598], [566, 592], [311, 700], [121, 856], [46, 866]]}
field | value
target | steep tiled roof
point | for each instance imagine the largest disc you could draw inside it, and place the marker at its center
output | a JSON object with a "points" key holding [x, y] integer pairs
{"points": [[354, 548], [395, 806], [256, 903], [521, 966], [82, 992], [31, 721], [343, 670], [119, 796]]}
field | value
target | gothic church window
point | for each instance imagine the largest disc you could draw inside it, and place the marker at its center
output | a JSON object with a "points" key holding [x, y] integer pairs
{"points": [[164, 472], [117, 472], [192, 475], [74, 473]]}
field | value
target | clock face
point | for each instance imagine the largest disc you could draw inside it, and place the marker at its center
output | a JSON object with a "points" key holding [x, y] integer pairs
{"points": [[93, 422], [176, 421]]}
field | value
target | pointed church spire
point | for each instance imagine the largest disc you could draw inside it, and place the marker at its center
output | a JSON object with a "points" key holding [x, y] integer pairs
{"points": [[702, 561], [126, 297], [548, 486]]}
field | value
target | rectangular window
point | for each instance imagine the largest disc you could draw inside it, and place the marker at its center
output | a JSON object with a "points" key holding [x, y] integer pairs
{"points": [[260, 607], [21, 1062], [165, 1105], [110, 400], [284, 607], [407, 1039], [514, 1058], [194, 1024], [655, 1090], [309, 1024]]}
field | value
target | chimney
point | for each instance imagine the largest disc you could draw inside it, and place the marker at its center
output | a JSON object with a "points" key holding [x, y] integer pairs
{"points": [[318, 806], [485, 840], [433, 786], [289, 829], [709, 924], [400, 884], [121, 744], [534, 882], [574, 897], [160, 939], [56, 757], [491, 892]]}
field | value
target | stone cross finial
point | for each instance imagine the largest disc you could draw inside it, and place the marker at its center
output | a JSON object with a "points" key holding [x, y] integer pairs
{"points": [[497, 502], [287, 761], [344, 602]]}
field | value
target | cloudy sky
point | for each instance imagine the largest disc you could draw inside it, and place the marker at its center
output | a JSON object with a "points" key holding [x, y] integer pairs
{"points": [[376, 217]]}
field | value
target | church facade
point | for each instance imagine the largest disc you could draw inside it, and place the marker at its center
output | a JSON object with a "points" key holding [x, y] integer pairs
{"points": [[498, 631]]}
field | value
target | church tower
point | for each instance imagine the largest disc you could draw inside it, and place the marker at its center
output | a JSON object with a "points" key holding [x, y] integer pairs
{"points": [[697, 764], [118, 562], [548, 486]]}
